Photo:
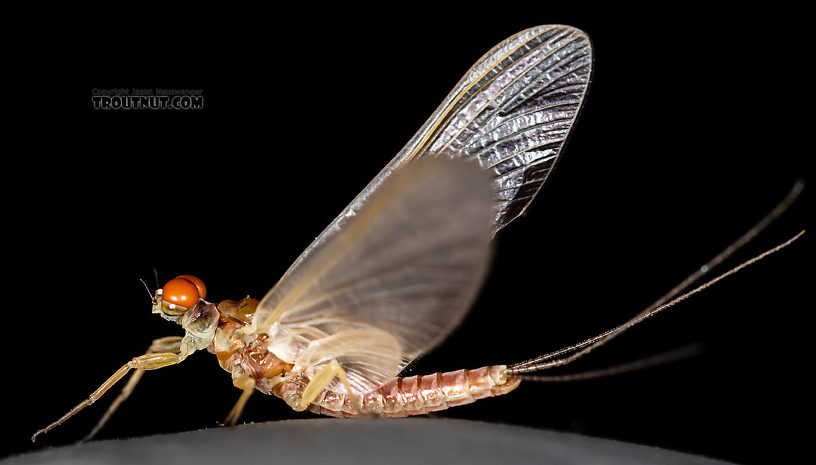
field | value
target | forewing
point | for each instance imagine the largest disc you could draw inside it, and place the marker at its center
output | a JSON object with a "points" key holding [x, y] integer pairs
{"points": [[399, 276], [512, 112]]}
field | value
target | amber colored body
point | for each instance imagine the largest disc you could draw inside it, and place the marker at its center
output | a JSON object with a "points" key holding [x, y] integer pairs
{"points": [[412, 395], [243, 354]]}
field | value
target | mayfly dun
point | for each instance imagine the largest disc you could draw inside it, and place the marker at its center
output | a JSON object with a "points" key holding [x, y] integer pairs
{"points": [[397, 270]]}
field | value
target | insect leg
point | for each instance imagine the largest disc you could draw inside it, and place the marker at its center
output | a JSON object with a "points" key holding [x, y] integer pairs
{"points": [[144, 362], [164, 344], [323, 378], [247, 385]]}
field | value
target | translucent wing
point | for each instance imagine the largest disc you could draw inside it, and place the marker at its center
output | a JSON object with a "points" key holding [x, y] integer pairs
{"points": [[512, 111], [393, 282]]}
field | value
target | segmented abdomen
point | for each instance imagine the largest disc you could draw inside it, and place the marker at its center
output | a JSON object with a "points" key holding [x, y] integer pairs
{"points": [[412, 395]]}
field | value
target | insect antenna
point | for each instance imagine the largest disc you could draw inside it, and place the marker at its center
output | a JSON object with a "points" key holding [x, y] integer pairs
{"points": [[582, 348], [147, 288]]}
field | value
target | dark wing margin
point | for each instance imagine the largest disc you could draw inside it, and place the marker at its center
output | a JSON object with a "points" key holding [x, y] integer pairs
{"points": [[513, 111]]}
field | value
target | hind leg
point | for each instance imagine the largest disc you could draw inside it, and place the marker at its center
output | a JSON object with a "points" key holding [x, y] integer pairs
{"points": [[323, 378]]}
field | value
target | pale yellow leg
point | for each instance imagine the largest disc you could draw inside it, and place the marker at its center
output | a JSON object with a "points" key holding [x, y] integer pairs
{"points": [[323, 378], [144, 362], [164, 344], [246, 384]]}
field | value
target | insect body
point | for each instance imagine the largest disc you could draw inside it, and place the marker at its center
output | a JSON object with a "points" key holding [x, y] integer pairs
{"points": [[397, 270], [400, 397]]}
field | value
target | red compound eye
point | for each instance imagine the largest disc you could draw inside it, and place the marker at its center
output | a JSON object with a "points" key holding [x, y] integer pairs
{"points": [[202, 289], [183, 291]]}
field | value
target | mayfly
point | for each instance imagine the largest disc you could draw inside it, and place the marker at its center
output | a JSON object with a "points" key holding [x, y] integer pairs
{"points": [[397, 270]]}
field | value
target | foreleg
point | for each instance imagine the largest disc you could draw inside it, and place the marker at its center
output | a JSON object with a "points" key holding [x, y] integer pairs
{"points": [[148, 361]]}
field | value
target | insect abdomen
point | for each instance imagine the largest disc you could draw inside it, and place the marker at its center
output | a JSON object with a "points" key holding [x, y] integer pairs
{"points": [[417, 395]]}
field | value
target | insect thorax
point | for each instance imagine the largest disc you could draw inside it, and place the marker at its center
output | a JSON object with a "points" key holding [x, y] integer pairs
{"points": [[245, 352]]}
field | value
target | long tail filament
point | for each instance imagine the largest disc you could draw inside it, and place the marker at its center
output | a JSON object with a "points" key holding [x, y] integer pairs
{"points": [[576, 351]]}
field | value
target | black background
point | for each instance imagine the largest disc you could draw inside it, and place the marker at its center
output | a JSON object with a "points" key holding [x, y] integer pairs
{"points": [[687, 138]]}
